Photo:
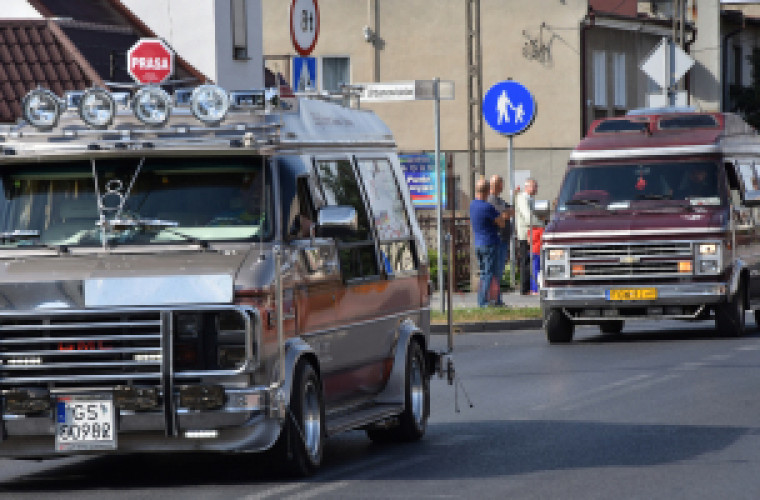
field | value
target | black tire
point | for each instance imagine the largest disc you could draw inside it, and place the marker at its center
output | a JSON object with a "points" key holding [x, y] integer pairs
{"points": [[613, 327], [412, 422], [301, 443], [729, 316], [559, 329]]}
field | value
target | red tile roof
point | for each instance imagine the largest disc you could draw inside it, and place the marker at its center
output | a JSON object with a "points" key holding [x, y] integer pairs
{"points": [[35, 52]]}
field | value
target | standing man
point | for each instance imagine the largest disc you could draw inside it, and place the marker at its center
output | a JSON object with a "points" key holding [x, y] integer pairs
{"points": [[505, 232], [485, 221], [524, 220]]}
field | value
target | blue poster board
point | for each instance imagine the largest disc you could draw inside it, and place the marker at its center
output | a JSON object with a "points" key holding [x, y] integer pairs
{"points": [[419, 171], [304, 73], [509, 108]]}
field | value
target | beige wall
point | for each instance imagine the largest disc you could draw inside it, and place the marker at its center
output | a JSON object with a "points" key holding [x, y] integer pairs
{"points": [[422, 39]]}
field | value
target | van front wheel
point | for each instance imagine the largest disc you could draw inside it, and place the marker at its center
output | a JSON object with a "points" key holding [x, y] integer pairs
{"points": [[559, 329], [729, 316]]}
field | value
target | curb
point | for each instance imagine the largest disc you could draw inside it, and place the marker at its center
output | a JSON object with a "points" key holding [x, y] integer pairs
{"points": [[488, 326]]}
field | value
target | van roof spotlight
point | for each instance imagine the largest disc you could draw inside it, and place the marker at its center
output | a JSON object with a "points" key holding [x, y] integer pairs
{"points": [[97, 108], [152, 106], [209, 103], [41, 109]]}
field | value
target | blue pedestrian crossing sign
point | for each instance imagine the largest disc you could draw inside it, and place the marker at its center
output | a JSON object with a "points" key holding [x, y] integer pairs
{"points": [[304, 73], [509, 108]]}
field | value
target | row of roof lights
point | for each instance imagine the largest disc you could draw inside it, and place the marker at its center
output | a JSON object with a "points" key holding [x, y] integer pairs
{"points": [[151, 105]]}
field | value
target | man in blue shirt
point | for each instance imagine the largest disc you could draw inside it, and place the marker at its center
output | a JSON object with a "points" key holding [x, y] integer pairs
{"points": [[486, 221]]}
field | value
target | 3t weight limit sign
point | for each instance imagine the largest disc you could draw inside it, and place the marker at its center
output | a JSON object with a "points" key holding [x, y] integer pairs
{"points": [[304, 25]]}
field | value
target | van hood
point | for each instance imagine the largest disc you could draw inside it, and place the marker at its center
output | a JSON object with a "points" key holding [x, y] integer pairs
{"points": [[72, 281], [667, 223]]}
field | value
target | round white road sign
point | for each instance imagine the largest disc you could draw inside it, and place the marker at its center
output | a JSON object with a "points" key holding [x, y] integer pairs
{"points": [[304, 25]]}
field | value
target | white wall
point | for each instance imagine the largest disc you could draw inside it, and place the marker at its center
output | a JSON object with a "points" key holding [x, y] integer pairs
{"points": [[19, 9], [200, 31]]}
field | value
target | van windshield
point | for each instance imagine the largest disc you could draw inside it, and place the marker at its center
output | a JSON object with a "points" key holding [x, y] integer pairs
{"points": [[621, 186], [135, 201]]}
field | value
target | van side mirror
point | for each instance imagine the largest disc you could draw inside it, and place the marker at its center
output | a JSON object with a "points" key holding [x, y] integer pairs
{"points": [[335, 221], [749, 182]]}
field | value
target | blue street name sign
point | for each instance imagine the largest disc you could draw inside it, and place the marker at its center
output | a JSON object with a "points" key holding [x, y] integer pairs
{"points": [[509, 108]]}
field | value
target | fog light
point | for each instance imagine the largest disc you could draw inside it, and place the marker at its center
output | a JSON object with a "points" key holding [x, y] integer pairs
{"points": [[578, 270], [201, 397], [684, 266], [25, 401], [708, 266], [556, 254], [97, 108], [209, 104], [135, 398], [152, 106], [41, 108], [555, 271], [202, 434], [707, 249]]}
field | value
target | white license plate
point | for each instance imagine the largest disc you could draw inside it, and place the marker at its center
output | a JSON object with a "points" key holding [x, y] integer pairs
{"points": [[85, 423]]}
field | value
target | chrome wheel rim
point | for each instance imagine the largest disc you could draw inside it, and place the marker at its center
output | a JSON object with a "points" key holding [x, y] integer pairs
{"points": [[312, 420], [417, 391]]}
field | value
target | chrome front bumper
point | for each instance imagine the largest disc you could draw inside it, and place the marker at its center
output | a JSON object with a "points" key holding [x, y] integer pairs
{"points": [[250, 420], [676, 301]]}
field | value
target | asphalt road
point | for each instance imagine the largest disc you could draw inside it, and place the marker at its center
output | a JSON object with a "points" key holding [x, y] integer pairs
{"points": [[649, 414]]}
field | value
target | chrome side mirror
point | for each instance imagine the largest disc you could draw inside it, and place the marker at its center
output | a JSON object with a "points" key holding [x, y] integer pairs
{"points": [[542, 209], [336, 221]]}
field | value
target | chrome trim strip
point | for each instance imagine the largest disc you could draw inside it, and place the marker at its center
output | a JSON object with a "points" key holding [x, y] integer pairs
{"points": [[631, 232], [79, 326], [167, 373], [647, 151], [48, 340], [83, 352], [364, 322]]}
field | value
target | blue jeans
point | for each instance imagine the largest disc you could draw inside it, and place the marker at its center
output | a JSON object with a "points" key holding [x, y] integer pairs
{"points": [[487, 262], [536, 269]]}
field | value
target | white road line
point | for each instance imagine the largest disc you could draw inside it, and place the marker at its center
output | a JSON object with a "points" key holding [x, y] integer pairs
{"points": [[374, 473], [620, 392], [597, 390], [333, 474]]}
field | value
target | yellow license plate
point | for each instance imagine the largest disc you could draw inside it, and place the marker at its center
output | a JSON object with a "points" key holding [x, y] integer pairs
{"points": [[632, 294]]}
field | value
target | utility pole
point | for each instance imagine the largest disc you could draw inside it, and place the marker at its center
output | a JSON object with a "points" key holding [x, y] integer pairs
{"points": [[476, 148]]}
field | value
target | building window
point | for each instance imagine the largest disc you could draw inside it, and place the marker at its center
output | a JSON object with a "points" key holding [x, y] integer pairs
{"points": [[239, 29], [618, 74], [600, 78], [335, 72]]}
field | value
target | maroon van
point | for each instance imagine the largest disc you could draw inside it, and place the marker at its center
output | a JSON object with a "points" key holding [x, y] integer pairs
{"points": [[654, 220]]}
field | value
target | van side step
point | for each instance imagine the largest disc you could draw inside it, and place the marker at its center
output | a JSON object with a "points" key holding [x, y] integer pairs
{"points": [[362, 417]]}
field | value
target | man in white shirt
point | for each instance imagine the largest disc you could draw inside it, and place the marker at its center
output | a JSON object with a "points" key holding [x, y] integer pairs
{"points": [[524, 220]]}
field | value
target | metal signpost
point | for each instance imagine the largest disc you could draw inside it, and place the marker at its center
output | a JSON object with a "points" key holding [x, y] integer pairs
{"points": [[420, 90], [509, 109]]}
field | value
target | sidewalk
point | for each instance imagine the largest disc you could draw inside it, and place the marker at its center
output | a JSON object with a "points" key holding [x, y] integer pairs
{"points": [[470, 299]]}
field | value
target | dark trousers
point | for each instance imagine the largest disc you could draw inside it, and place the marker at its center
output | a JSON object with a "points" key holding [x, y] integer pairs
{"points": [[523, 258]]}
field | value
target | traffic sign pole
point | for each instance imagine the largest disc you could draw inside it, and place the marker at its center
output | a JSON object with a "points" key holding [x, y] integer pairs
{"points": [[439, 187]]}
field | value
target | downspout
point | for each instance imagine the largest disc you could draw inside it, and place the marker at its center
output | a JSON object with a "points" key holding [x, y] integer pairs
{"points": [[586, 24]]}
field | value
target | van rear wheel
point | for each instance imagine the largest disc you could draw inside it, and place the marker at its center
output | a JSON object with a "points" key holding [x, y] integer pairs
{"points": [[559, 329]]}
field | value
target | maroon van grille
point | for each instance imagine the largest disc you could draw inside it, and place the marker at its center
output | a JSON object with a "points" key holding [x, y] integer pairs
{"points": [[629, 260]]}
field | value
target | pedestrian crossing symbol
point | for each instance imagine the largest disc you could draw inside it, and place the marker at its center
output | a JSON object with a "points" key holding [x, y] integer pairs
{"points": [[304, 73]]}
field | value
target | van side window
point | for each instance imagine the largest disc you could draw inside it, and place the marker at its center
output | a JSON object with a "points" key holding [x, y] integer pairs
{"points": [[389, 215], [339, 187]]}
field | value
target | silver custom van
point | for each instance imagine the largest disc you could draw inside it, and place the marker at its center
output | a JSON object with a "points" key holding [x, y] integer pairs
{"points": [[207, 272]]}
